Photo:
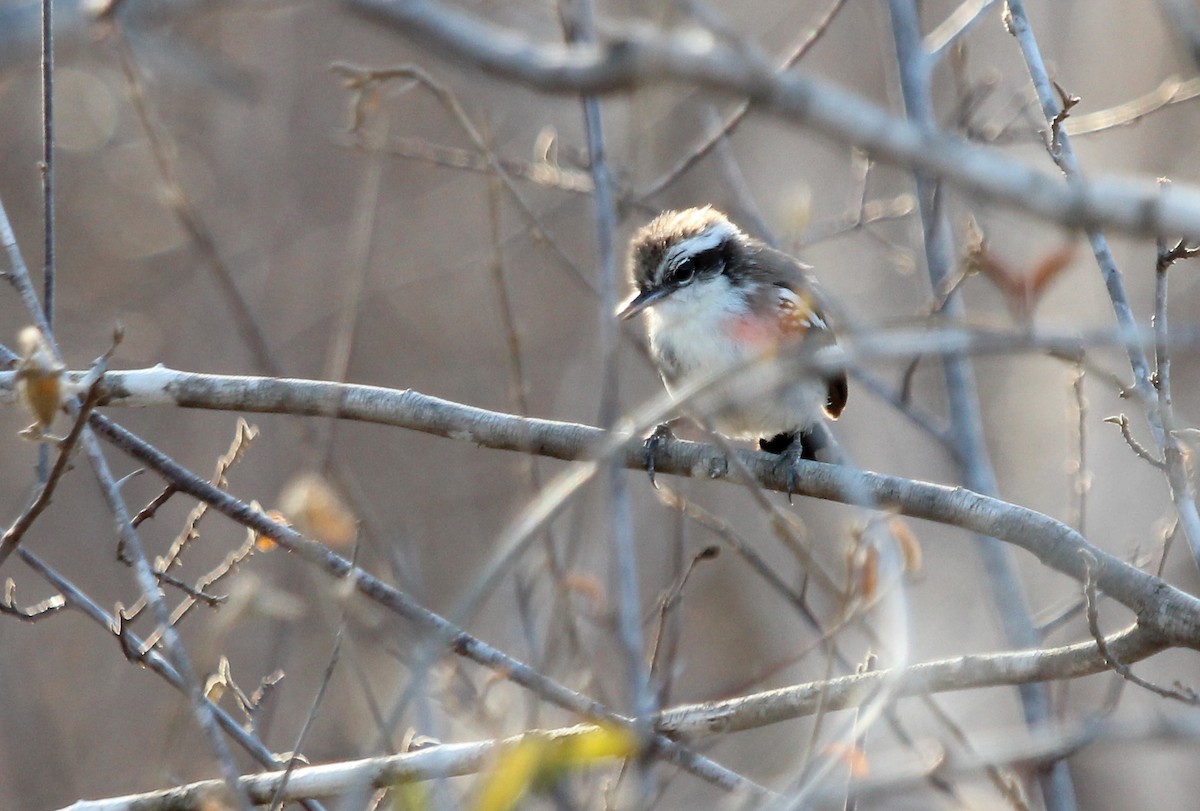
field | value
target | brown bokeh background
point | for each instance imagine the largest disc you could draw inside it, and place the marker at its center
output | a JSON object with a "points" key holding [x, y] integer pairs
{"points": [[258, 129]]}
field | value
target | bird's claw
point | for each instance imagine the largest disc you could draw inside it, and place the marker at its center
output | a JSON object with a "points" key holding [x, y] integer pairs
{"points": [[790, 447], [650, 448], [788, 460]]}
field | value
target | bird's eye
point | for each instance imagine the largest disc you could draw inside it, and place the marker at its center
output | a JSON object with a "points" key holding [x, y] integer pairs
{"points": [[684, 271]]}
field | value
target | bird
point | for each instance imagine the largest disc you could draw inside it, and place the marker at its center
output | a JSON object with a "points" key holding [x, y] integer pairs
{"points": [[715, 299]]}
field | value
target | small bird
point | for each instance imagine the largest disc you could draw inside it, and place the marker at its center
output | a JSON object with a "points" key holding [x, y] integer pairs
{"points": [[716, 299]]}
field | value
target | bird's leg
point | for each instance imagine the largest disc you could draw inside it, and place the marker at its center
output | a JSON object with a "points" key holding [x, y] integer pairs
{"points": [[788, 446], [791, 446], [650, 447]]}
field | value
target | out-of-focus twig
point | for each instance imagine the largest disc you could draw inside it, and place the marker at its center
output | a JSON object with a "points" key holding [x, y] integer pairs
{"points": [[1182, 492], [731, 121], [640, 55], [1007, 591]]}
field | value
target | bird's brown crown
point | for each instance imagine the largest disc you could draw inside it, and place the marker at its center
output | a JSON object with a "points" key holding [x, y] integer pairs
{"points": [[664, 235]]}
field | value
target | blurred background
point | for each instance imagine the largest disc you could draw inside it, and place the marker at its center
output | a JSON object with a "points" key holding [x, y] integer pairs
{"points": [[225, 197]]}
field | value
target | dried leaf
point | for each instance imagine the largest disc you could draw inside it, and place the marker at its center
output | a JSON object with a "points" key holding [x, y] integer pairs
{"points": [[852, 756], [910, 545], [589, 586], [537, 758], [264, 543], [39, 378], [1048, 269], [317, 510], [1023, 290]]}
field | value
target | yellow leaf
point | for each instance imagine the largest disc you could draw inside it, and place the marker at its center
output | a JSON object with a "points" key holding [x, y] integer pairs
{"points": [[599, 743], [536, 758], [409, 797], [515, 769]]}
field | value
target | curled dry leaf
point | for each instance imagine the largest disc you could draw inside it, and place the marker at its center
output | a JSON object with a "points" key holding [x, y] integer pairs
{"points": [[853, 756], [587, 585], [864, 571], [264, 543], [1022, 288], [910, 545]]}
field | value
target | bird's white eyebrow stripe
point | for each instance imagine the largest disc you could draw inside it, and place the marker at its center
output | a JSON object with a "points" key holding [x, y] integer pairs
{"points": [[707, 239]]}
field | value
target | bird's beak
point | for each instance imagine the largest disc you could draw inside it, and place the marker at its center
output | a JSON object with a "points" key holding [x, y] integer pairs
{"points": [[640, 302]]}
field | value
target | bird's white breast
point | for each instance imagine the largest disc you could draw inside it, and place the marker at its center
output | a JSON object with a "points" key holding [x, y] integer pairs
{"points": [[694, 333]]}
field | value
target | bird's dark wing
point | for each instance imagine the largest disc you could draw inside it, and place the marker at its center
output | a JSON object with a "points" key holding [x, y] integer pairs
{"points": [[787, 271]]}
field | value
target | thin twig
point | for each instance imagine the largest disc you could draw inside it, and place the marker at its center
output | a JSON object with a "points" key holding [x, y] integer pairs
{"points": [[126, 533], [540, 173], [519, 392], [733, 119], [180, 205], [66, 449], [153, 660], [151, 509], [361, 240], [1081, 477], [639, 56], [334, 657], [577, 18], [450, 635], [47, 165], [1007, 591], [41, 610], [1181, 693], [942, 38], [1121, 421], [1182, 492], [1172, 91]]}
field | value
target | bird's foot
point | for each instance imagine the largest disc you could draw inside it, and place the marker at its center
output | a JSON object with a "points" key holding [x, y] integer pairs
{"points": [[650, 448], [790, 447], [786, 446]]}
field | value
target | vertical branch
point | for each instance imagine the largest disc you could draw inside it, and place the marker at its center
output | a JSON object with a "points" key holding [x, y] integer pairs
{"points": [[720, 130], [1059, 144], [519, 391], [578, 25], [362, 240], [129, 542], [47, 166], [916, 75], [1081, 478], [1174, 459], [47, 170]]}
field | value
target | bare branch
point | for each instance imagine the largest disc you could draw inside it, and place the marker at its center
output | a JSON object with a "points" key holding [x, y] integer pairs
{"points": [[447, 633], [91, 387], [691, 721], [1182, 492], [1160, 608], [644, 55], [1112, 660]]}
